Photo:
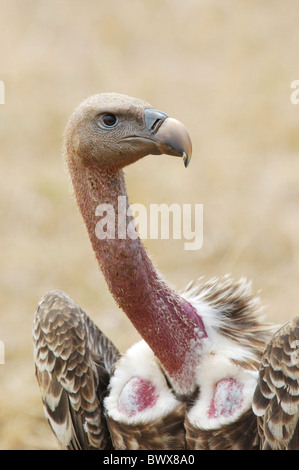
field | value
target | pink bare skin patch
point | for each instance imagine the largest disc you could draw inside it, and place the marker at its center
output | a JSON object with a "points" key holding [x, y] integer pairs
{"points": [[227, 398], [137, 395]]}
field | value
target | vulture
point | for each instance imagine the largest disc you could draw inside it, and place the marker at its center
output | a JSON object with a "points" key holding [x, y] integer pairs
{"points": [[209, 373]]}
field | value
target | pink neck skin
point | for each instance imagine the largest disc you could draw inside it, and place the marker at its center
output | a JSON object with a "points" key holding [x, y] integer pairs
{"points": [[167, 322]]}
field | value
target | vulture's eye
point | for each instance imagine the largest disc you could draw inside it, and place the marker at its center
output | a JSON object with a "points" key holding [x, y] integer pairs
{"points": [[107, 120]]}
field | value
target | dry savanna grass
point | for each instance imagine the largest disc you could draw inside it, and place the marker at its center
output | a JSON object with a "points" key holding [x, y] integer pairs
{"points": [[224, 69]]}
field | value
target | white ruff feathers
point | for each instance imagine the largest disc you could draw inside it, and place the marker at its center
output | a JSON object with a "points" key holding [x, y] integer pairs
{"points": [[230, 354], [139, 361]]}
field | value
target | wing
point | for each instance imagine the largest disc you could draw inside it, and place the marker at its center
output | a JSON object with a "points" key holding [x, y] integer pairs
{"points": [[73, 362], [239, 435], [276, 399], [164, 433]]}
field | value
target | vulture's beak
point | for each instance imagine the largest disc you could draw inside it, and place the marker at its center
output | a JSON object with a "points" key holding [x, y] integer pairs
{"points": [[169, 135]]}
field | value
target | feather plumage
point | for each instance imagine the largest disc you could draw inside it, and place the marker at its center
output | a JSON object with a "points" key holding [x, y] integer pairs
{"points": [[238, 435], [190, 383], [276, 399], [73, 362]]}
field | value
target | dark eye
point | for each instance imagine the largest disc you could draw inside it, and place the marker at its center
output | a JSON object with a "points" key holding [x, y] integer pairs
{"points": [[107, 120]]}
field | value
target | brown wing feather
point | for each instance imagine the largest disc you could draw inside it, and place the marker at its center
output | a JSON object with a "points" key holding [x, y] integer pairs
{"points": [[276, 399], [166, 433], [73, 361], [239, 435]]}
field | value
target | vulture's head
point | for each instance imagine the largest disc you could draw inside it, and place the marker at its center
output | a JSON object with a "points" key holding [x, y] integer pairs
{"points": [[113, 130]]}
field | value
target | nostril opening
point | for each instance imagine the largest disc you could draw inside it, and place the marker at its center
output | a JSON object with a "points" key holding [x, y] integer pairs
{"points": [[153, 119], [155, 124]]}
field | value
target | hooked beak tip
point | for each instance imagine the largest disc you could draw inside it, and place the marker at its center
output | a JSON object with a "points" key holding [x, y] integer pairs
{"points": [[172, 138], [186, 159]]}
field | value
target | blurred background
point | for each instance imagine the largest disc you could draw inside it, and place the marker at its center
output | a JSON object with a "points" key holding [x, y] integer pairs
{"points": [[225, 70]]}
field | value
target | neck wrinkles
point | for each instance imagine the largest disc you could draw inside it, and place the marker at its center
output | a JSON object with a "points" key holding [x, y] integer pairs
{"points": [[168, 323]]}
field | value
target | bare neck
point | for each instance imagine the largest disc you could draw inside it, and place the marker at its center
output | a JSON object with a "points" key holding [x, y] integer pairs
{"points": [[167, 322]]}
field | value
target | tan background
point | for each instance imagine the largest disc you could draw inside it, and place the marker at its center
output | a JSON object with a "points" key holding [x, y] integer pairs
{"points": [[222, 67]]}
